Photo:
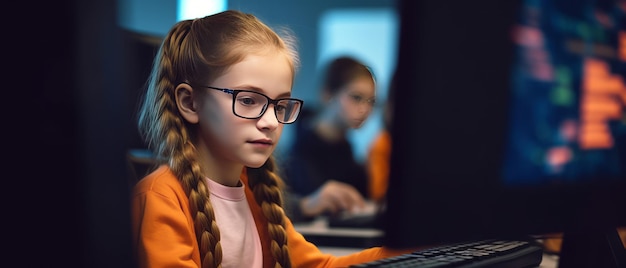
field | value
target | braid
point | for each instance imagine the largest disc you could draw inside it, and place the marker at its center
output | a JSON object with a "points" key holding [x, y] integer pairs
{"points": [[186, 167], [164, 123], [266, 186]]}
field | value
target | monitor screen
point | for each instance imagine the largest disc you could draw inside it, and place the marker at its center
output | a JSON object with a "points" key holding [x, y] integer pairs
{"points": [[509, 120]]}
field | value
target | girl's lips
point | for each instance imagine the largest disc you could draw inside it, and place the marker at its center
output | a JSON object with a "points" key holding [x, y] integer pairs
{"points": [[261, 144], [264, 141]]}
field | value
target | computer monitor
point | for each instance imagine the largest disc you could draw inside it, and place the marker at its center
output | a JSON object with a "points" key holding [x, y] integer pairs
{"points": [[509, 120]]}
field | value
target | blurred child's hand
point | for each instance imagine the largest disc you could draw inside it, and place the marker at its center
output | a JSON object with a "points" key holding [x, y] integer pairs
{"points": [[332, 197]]}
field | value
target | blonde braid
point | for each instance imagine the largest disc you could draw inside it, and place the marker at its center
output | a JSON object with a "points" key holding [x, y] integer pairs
{"points": [[267, 188], [187, 169], [167, 133]]}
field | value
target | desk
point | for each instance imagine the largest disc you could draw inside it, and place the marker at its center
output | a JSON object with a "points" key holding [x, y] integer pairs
{"points": [[345, 241], [318, 232]]}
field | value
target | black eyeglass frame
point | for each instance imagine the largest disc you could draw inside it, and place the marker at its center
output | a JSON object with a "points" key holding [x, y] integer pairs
{"points": [[235, 92]]}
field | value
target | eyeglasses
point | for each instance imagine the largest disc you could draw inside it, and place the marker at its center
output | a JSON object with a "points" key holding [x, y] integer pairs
{"points": [[252, 105]]}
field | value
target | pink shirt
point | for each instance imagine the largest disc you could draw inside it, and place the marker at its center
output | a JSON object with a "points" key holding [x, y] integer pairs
{"points": [[241, 245]]}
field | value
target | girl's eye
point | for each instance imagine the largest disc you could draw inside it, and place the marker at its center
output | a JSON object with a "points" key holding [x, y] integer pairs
{"points": [[280, 108], [247, 101], [357, 98], [360, 99]]}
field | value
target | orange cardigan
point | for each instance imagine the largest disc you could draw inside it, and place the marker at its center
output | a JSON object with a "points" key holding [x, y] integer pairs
{"points": [[553, 243], [378, 159], [164, 233]]}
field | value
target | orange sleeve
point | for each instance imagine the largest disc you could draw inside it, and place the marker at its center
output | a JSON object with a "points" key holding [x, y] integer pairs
{"points": [[378, 166], [159, 216], [552, 244], [305, 254]]}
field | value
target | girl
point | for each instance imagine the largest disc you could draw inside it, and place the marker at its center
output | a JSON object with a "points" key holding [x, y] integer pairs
{"points": [[217, 98]]}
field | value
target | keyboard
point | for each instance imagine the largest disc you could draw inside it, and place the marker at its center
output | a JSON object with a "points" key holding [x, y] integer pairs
{"points": [[484, 253]]}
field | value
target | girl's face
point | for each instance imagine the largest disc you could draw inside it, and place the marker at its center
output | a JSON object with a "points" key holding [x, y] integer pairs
{"points": [[231, 140], [357, 101]]}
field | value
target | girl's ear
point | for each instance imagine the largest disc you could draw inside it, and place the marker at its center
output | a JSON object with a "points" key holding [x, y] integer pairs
{"points": [[185, 102]]}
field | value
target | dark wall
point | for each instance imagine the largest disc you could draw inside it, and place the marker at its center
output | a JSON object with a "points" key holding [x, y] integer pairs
{"points": [[67, 189], [103, 119], [137, 56]]}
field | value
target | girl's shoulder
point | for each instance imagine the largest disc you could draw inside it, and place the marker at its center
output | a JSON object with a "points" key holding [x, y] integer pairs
{"points": [[162, 180]]}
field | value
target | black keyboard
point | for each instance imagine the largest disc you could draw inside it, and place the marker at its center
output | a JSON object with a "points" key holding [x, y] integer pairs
{"points": [[485, 253]]}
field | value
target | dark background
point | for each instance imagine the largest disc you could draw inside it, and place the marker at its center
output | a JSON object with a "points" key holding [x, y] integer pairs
{"points": [[66, 203]]}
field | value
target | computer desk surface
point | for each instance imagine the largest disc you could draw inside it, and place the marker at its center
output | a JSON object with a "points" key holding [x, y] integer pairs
{"points": [[344, 241], [318, 232]]}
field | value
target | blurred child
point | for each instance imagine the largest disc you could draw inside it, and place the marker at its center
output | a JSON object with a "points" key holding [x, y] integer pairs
{"points": [[321, 155]]}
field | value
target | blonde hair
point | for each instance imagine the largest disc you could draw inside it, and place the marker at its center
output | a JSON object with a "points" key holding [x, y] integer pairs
{"points": [[198, 51]]}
